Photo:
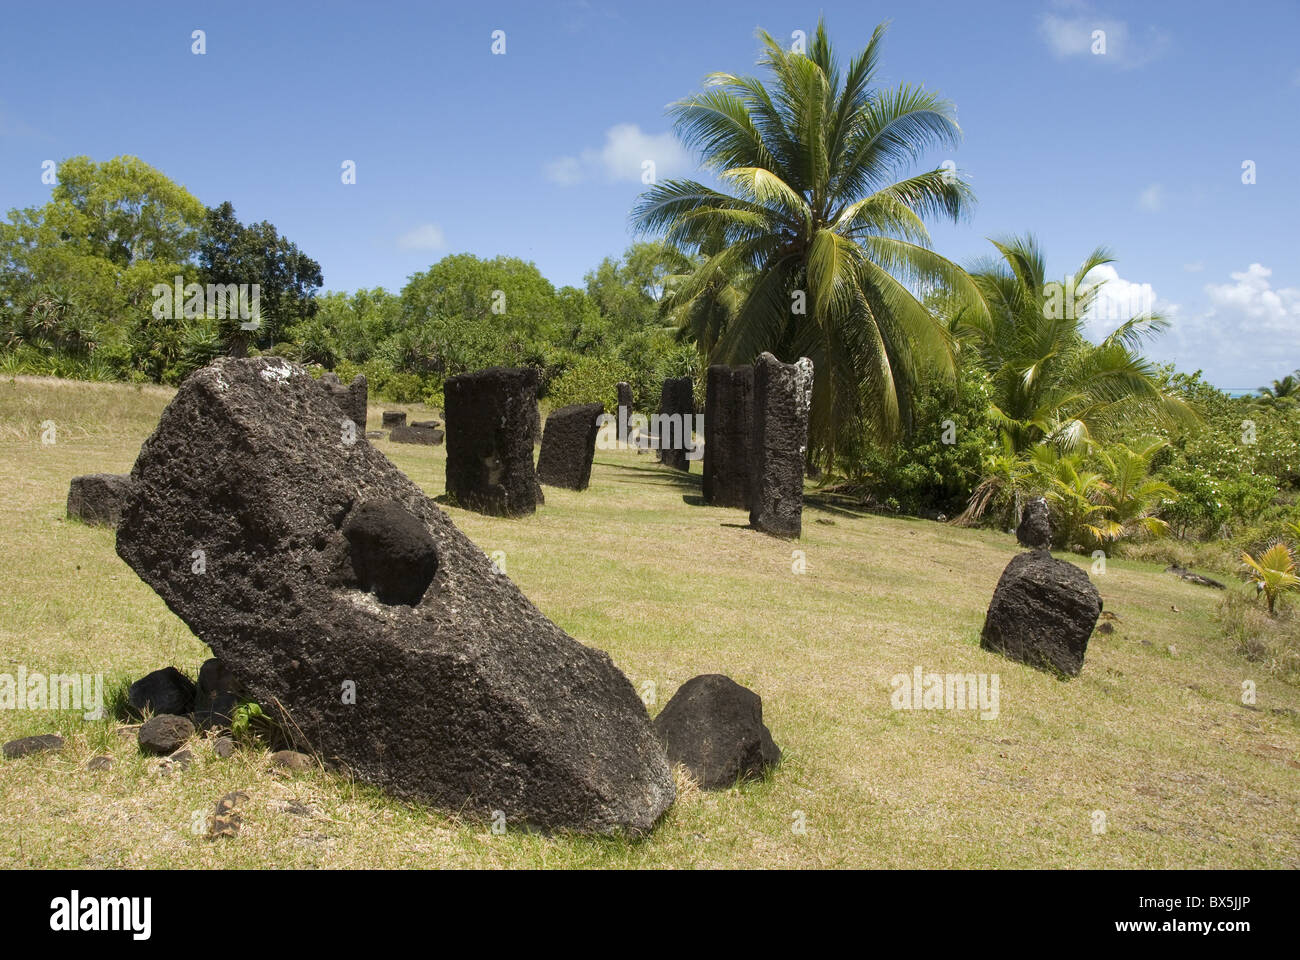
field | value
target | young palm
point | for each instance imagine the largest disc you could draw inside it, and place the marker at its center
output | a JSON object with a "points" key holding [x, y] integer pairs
{"points": [[1130, 495], [1049, 382], [1273, 573], [1284, 392], [812, 222]]}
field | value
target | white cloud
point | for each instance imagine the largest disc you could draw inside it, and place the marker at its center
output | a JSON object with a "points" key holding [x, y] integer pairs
{"points": [[427, 236], [1103, 40], [1248, 334], [1118, 300], [623, 157], [1152, 199]]}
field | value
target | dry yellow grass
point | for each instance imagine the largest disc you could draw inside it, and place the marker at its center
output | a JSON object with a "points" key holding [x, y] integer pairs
{"points": [[1158, 740]]}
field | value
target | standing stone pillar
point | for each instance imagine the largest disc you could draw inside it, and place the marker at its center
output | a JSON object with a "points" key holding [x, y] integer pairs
{"points": [[569, 446], [491, 418], [728, 428], [351, 399], [782, 396], [677, 414]]}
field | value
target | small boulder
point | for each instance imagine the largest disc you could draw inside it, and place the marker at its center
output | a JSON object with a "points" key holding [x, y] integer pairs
{"points": [[1042, 614], [1035, 530], [164, 734], [223, 747], [163, 691], [28, 745], [100, 763], [714, 727], [97, 498], [291, 760]]}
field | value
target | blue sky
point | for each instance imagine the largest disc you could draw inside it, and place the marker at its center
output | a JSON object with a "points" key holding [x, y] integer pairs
{"points": [[537, 153]]}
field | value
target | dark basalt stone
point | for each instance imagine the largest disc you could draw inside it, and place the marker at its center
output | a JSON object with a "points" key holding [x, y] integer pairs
{"points": [[569, 446], [1042, 614], [490, 428], [624, 395], [163, 691], [393, 554], [1035, 530], [351, 399], [164, 734], [97, 498], [782, 395], [714, 727], [469, 699], [416, 434], [728, 432], [28, 745], [677, 400], [393, 418]]}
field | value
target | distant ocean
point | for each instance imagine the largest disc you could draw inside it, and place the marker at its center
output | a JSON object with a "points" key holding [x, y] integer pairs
{"points": [[1240, 391]]}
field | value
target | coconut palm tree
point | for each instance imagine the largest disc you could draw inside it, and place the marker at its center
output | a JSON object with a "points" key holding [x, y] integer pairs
{"points": [[812, 220], [1050, 383], [1284, 392], [1130, 495], [1273, 573]]}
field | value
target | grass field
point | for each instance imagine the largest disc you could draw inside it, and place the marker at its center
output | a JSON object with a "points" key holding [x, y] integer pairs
{"points": [[1153, 734]]}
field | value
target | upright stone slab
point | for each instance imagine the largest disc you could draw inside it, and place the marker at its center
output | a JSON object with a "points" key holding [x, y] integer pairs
{"points": [[569, 446], [490, 425], [351, 399], [393, 418], [728, 430], [1042, 614], [624, 395], [334, 588], [1035, 529], [782, 396], [97, 498], [677, 413]]}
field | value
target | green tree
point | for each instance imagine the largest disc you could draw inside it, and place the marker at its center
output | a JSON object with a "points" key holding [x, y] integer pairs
{"points": [[813, 211], [287, 279], [1049, 383]]}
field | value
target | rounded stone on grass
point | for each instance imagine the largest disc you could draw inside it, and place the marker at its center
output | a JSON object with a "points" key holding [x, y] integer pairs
{"points": [[714, 727], [29, 745], [163, 691], [164, 734]]}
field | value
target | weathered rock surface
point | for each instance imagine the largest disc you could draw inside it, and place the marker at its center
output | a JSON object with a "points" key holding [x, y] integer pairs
{"points": [[490, 440], [163, 691], [469, 699], [29, 745], [164, 734], [1035, 530], [624, 395], [569, 446], [782, 396], [728, 432], [351, 399], [416, 434], [714, 727], [393, 418], [97, 498], [678, 401], [1042, 614]]}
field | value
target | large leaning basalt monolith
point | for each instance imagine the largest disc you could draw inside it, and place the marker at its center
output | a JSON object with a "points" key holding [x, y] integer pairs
{"points": [[676, 419], [332, 587], [97, 498], [728, 430], [352, 399], [490, 424], [1042, 614], [569, 446], [782, 396]]}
